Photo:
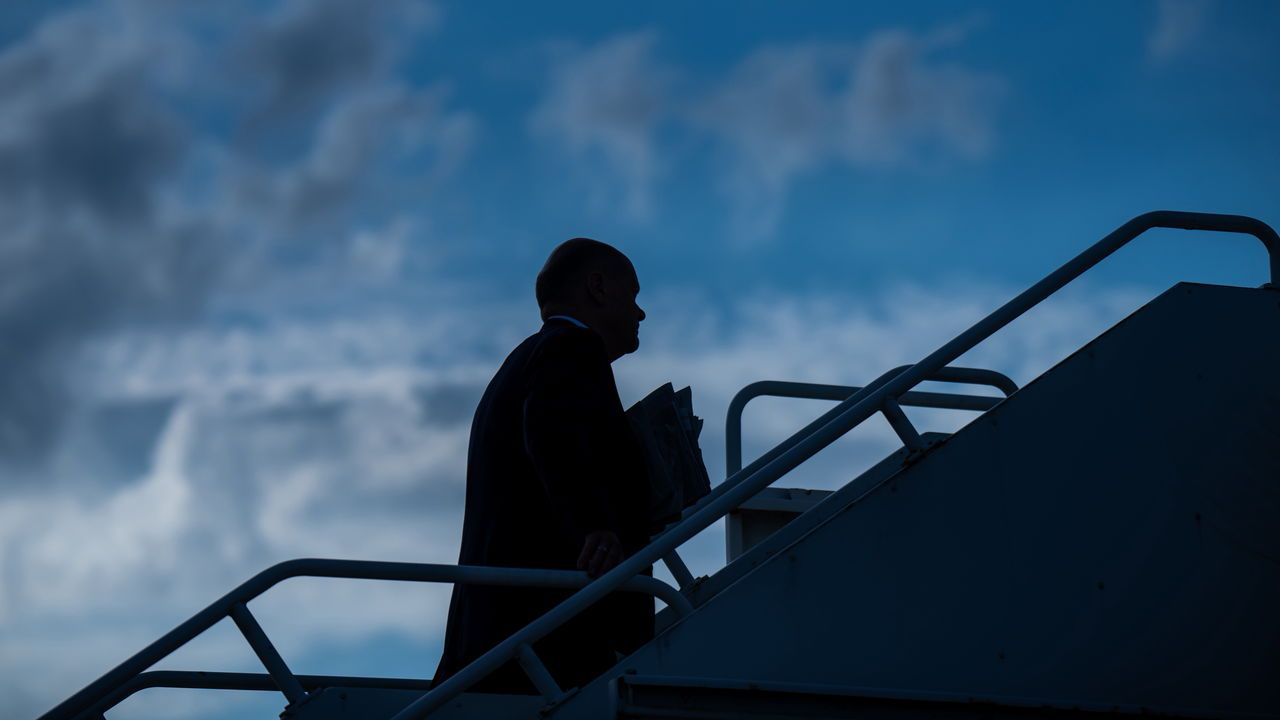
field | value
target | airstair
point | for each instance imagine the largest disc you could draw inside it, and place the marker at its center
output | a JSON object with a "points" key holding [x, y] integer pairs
{"points": [[1102, 541]]}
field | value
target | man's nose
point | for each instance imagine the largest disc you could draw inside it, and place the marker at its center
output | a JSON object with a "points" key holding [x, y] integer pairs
{"points": [[642, 315]]}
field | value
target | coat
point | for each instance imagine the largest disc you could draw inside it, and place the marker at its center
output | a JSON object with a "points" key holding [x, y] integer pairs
{"points": [[551, 459]]}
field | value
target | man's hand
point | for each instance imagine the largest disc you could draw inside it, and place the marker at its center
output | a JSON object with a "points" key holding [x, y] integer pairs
{"points": [[600, 553]]}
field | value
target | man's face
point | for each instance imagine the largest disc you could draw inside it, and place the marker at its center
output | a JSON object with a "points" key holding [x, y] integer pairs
{"points": [[621, 314]]}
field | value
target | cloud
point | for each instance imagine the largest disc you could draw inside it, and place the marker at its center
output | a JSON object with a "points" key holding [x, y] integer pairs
{"points": [[257, 444], [238, 481], [337, 438], [887, 105], [1178, 24], [328, 71], [124, 207], [380, 254], [92, 235], [891, 103], [364, 131], [775, 119], [309, 51], [901, 102], [604, 105]]}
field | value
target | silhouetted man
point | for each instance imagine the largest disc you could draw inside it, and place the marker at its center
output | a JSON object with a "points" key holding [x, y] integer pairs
{"points": [[555, 478]]}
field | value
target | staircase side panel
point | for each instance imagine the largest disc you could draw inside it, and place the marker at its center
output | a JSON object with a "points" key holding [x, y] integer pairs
{"points": [[1109, 535]]}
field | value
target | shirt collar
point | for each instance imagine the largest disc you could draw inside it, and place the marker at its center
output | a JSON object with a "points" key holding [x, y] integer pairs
{"points": [[573, 320]]}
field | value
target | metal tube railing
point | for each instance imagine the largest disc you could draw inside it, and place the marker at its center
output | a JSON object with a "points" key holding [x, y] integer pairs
{"points": [[850, 413], [267, 653], [826, 417], [259, 682], [538, 673], [93, 693], [815, 391]]}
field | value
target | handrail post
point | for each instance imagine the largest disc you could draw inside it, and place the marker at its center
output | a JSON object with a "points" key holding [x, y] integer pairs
{"points": [[538, 673], [678, 569], [266, 652], [733, 433], [902, 425]]}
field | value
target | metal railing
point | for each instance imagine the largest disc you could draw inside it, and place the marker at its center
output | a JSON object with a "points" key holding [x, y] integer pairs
{"points": [[261, 682], [882, 396], [955, 373], [108, 690], [815, 391]]}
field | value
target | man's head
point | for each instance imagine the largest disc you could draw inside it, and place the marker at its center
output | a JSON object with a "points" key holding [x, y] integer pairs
{"points": [[595, 283]]}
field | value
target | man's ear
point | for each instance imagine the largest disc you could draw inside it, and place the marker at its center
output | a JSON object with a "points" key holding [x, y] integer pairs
{"points": [[595, 286]]}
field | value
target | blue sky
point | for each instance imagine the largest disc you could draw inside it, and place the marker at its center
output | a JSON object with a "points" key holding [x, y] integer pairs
{"points": [[261, 257]]}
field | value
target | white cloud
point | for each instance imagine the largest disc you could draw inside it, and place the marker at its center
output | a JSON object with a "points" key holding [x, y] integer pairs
{"points": [[902, 102], [776, 119], [334, 438], [887, 104], [891, 103], [240, 481], [1178, 24], [380, 254], [604, 106]]}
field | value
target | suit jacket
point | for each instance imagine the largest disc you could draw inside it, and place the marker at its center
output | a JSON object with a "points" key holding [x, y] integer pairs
{"points": [[551, 458]]}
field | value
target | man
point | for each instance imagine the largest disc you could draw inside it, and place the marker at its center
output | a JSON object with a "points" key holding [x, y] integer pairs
{"points": [[555, 478]]}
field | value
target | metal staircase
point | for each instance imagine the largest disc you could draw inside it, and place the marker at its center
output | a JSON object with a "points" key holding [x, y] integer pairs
{"points": [[948, 578]]}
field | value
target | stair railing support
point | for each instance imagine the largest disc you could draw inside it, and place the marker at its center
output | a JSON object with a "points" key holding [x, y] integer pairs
{"points": [[678, 569], [901, 424], [538, 673], [267, 653]]}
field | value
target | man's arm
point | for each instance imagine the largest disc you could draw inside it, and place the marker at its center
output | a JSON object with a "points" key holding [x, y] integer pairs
{"points": [[571, 397]]}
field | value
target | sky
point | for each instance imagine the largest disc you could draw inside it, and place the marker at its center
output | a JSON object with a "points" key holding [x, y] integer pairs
{"points": [[259, 260]]}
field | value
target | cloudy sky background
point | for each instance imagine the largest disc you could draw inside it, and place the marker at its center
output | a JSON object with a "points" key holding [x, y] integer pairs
{"points": [[260, 258]]}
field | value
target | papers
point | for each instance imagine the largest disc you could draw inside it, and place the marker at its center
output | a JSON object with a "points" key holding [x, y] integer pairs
{"points": [[667, 430]]}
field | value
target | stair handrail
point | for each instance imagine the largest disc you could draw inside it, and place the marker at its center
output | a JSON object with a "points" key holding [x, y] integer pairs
{"points": [[235, 605], [819, 391], [951, 373], [848, 414], [260, 682]]}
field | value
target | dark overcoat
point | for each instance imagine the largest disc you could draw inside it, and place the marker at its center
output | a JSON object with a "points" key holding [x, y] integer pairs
{"points": [[551, 459]]}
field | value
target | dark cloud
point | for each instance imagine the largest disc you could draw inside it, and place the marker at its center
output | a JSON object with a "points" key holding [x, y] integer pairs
{"points": [[313, 49], [356, 135], [119, 206], [448, 405], [86, 154], [99, 149], [325, 71], [109, 445]]}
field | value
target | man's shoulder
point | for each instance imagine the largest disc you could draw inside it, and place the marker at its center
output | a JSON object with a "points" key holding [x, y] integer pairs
{"points": [[555, 347], [561, 330], [566, 338]]}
